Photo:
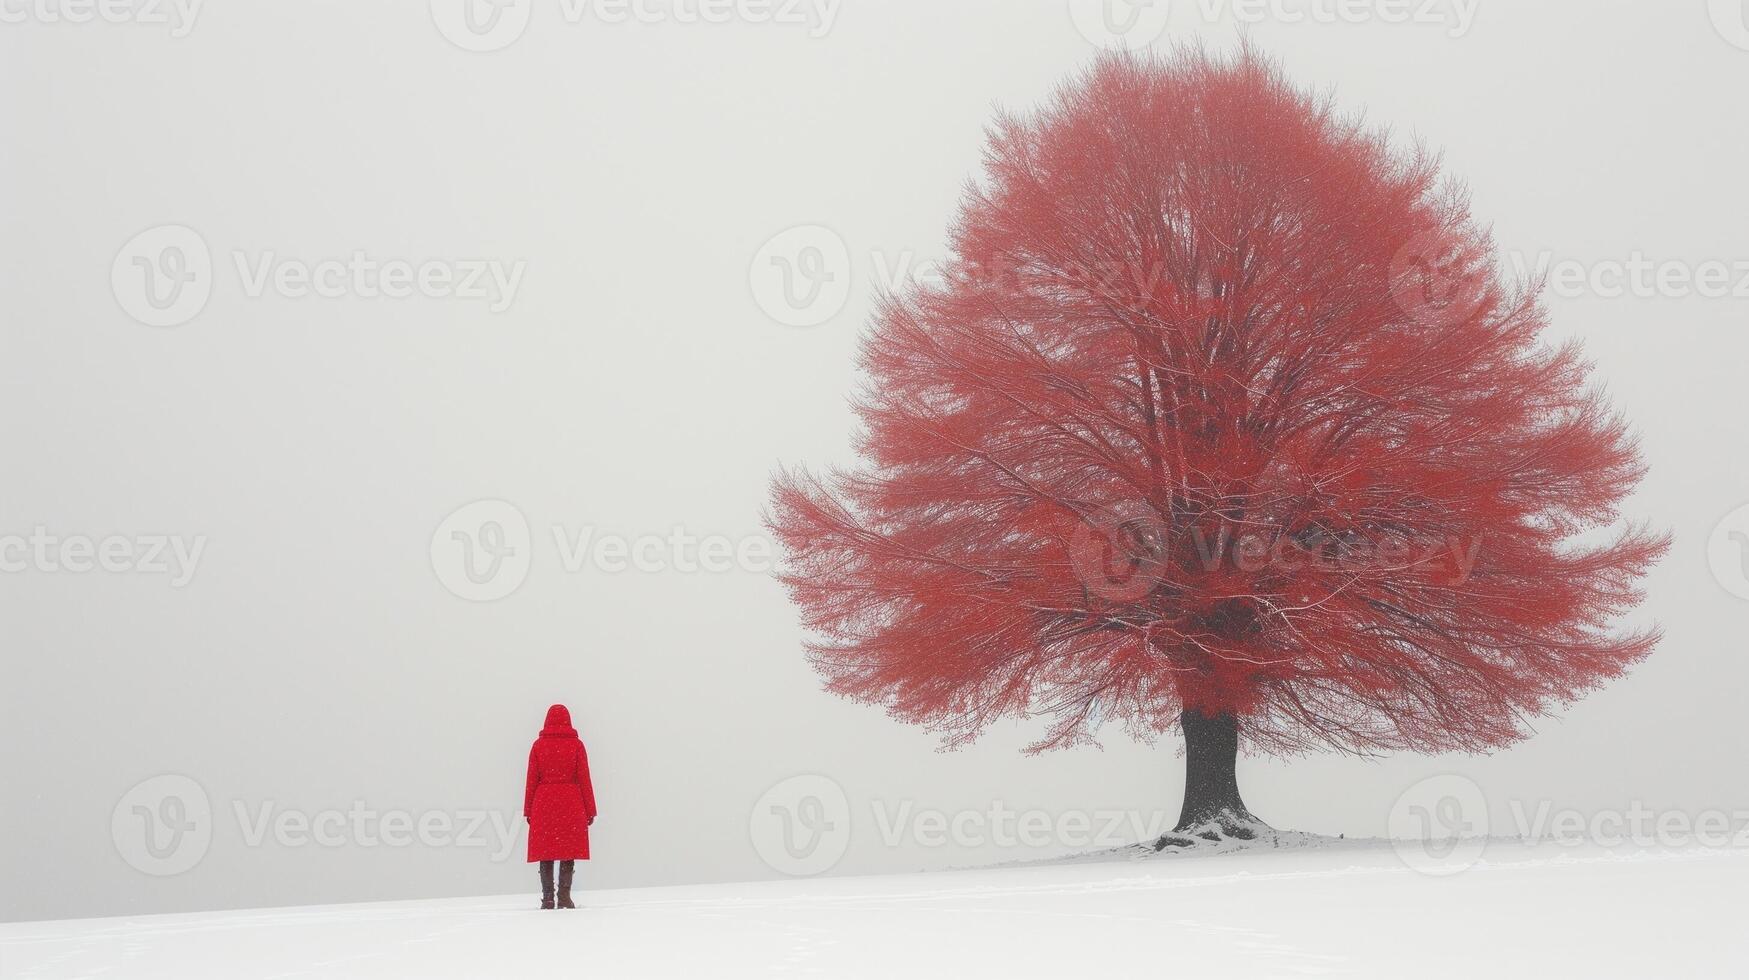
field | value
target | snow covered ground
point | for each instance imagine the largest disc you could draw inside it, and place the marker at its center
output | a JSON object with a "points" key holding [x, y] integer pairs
{"points": [[1353, 909]]}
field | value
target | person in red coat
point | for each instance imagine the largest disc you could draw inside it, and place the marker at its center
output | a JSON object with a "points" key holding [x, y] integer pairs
{"points": [[559, 804]]}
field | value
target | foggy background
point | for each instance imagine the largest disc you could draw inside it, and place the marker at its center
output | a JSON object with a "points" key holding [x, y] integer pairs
{"points": [[320, 659]]}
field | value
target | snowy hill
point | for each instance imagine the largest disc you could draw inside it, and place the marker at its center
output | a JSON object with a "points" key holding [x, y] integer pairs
{"points": [[1346, 910]]}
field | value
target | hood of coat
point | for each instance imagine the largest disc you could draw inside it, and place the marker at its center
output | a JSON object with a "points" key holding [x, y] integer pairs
{"points": [[558, 723]]}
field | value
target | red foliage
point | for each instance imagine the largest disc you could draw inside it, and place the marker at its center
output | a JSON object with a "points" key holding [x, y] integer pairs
{"points": [[1225, 405]]}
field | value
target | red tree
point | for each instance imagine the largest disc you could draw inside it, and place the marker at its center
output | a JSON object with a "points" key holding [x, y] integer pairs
{"points": [[1224, 419]]}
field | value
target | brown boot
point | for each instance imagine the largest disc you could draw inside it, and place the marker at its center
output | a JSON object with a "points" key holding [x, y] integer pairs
{"points": [[546, 884], [565, 870]]}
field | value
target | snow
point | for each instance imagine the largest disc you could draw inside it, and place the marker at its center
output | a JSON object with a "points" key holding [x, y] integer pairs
{"points": [[1341, 909]]}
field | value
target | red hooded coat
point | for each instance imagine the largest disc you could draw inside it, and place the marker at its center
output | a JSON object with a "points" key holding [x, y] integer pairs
{"points": [[559, 801]]}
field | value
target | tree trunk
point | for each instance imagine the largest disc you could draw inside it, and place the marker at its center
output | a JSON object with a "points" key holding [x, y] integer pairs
{"points": [[1212, 806]]}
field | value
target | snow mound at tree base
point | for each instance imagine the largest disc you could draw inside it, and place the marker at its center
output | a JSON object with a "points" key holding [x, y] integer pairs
{"points": [[1213, 839], [1203, 837], [1216, 828]]}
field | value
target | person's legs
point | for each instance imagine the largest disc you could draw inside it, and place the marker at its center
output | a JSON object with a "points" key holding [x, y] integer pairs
{"points": [[565, 870], [546, 884]]}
